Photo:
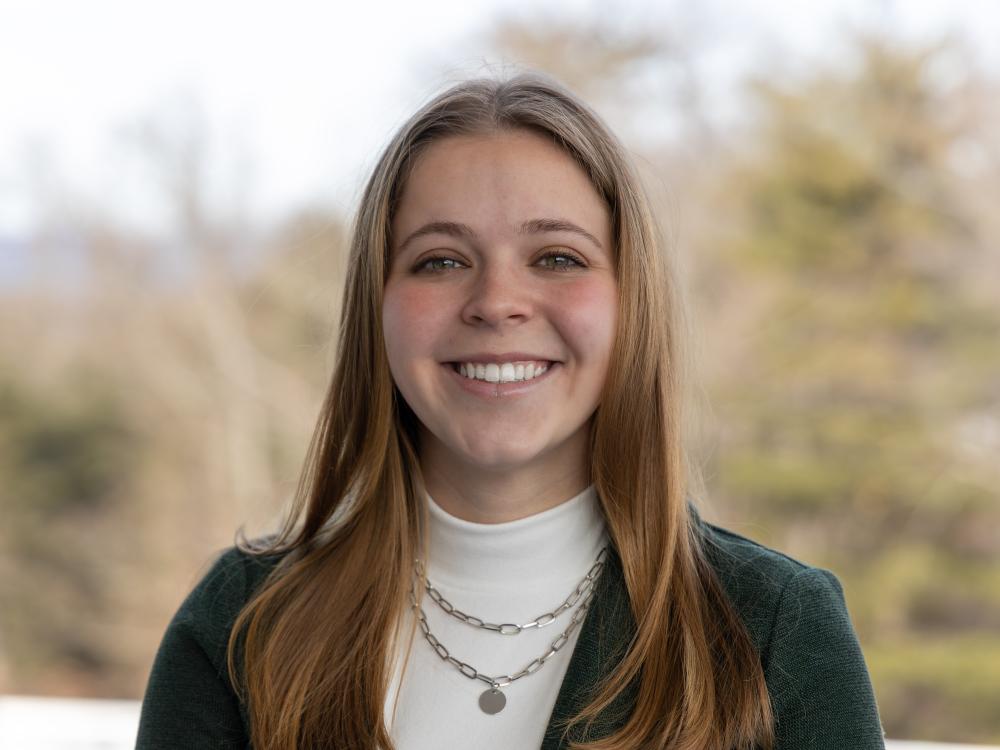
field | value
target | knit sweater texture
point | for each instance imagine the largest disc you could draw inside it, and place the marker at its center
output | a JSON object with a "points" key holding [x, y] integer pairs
{"points": [[796, 616]]}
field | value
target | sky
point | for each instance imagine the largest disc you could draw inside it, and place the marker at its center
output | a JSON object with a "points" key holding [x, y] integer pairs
{"points": [[298, 97]]}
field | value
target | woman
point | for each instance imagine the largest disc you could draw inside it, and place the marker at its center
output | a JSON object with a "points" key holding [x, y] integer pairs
{"points": [[493, 544]]}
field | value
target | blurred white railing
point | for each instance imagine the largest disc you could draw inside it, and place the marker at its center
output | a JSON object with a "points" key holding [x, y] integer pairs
{"points": [[28, 723]]}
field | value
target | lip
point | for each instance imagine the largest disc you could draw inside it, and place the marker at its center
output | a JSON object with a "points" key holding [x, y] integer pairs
{"points": [[490, 358], [484, 389]]}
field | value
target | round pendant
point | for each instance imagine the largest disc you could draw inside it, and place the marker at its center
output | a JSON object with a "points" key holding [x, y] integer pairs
{"points": [[492, 701]]}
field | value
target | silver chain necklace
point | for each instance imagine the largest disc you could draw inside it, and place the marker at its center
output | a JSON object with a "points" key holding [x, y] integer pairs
{"points": [[510, 628], [492, 700]]}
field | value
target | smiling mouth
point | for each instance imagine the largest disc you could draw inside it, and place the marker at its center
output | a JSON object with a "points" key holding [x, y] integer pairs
{"points": [[507, 372]]}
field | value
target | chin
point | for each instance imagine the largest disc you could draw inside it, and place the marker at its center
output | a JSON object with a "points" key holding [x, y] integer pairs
{"points": [[500, 457]]}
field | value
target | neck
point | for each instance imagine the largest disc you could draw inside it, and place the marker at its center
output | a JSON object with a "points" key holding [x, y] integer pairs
{"points": [[497, 494]]}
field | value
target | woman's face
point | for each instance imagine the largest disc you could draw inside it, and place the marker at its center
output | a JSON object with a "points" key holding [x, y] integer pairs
{"points": [[501, 260]]}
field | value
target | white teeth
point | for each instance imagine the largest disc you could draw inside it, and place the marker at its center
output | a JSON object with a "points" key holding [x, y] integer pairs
{"points": [[507, 372]]}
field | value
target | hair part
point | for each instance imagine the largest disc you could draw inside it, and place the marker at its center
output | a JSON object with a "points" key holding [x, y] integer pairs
{"points": [[328, 615]]}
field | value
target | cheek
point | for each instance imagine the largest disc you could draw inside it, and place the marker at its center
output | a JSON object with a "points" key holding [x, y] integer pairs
{"points": [[588, 314], [411, 319]]}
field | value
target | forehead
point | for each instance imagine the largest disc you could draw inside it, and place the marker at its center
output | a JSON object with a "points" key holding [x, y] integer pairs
{"points": [[497, 180]]}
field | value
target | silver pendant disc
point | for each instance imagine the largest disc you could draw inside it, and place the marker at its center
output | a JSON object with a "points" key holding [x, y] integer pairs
{"points": [[492, 701]]}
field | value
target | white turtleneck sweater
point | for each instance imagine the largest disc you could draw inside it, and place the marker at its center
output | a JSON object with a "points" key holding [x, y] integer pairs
{"points": [[502, 573]]}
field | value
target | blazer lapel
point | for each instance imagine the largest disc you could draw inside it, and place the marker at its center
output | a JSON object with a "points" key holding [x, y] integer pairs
{"points": [[605, 635]]}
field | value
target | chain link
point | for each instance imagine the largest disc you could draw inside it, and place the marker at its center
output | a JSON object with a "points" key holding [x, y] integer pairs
{"points": [[500, 681], [510, 628]]}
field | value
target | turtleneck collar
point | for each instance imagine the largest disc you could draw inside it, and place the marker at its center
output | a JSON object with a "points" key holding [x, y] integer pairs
{"points": [[544, 549]]}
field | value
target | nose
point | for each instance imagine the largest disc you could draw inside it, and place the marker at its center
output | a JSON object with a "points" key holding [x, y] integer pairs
{"points": [[497, 298]]}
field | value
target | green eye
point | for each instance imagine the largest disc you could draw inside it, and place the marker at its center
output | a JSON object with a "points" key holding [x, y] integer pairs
{"points": [[436, 265], [562, 261]]}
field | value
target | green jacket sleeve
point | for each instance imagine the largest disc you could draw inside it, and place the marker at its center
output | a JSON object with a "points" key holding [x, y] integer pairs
{"points": [[189, 701], [820, 689]]}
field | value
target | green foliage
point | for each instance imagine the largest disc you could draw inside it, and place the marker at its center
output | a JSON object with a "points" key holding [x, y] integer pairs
{"points": [[63, 454], [943, 686], [871, 351], [66, 456], [851, 168]]}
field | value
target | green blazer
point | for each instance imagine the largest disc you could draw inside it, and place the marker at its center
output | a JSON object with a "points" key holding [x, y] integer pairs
{"points": [[819, 686]]}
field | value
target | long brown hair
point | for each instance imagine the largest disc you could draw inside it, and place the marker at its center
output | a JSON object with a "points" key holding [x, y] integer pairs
{"points": [[312, 651]]}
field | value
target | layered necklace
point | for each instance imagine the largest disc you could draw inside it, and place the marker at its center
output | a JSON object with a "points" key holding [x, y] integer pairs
{"points": [[492, 700]]}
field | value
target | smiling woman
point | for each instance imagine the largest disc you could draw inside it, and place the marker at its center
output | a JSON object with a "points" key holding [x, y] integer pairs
{"points": [[495, 543]]}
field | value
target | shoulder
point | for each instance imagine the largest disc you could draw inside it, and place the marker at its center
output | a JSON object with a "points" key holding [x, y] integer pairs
{"points": [[210, 609], [767, 586], [796, 614], [189, 699]]}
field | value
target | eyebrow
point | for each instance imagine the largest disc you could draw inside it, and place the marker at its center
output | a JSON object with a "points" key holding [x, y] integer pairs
{"points": [[532, 226]]}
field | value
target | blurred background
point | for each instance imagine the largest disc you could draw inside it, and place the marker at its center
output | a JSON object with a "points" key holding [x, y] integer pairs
{"points": [[176, 181]]}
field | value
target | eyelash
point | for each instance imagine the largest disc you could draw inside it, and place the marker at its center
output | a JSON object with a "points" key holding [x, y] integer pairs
{"points": [[577, 262]]}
